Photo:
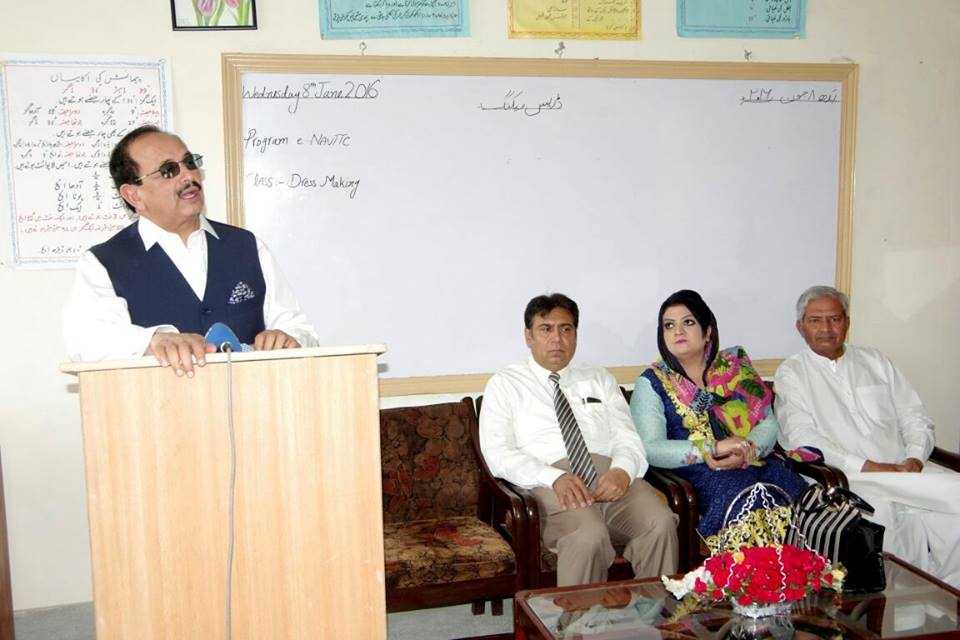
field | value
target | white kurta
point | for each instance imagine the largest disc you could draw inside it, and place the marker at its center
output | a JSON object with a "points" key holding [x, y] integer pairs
{"points": [[860, 407]]}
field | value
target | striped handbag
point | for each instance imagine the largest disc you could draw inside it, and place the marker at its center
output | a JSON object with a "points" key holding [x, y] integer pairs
{"points": [[830, 521]]}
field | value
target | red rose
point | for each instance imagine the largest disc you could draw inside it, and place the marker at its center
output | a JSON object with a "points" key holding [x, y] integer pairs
{"points": [[739, 572], [719, 568], [771, 596], [794, 594], [796, 577]]}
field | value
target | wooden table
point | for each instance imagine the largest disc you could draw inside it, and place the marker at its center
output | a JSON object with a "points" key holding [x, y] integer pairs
{"points": [[914, 605]]}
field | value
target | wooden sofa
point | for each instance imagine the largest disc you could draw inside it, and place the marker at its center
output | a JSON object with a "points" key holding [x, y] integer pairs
{"points": [[449, 538], [453, 533]]}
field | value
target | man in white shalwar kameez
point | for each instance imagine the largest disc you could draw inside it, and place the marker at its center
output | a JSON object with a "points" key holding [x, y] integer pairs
{"points": [[854, 405]]}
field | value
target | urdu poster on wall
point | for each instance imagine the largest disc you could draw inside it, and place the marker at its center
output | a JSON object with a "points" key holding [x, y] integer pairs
{"points": [[59, 120], [741, 18], [363, 19], [576, 19]]}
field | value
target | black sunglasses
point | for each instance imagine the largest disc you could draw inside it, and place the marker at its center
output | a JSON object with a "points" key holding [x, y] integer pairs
{"points": [[171, 168]]}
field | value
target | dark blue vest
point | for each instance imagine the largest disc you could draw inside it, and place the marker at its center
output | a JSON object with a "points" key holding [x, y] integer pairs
{"points": [[156, 292]]}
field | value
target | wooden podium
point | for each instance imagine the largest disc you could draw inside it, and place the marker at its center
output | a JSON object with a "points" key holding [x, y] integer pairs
{"points": [[308, 532]]}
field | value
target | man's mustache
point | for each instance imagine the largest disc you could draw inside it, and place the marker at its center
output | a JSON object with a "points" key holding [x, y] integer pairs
{"points": [[192, 183]]}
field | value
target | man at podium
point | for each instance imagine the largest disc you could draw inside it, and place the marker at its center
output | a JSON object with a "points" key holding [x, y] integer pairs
{"points": [[159, 284]]}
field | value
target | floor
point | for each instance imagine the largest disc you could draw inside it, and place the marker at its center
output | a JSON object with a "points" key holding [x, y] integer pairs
{"points": [[75, 622]]}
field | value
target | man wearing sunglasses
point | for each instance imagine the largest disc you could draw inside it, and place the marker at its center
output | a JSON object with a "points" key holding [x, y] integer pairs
{"points": [[159, 284]]}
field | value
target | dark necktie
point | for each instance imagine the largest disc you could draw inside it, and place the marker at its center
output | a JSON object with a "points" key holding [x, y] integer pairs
{"points": [[580, 462]]}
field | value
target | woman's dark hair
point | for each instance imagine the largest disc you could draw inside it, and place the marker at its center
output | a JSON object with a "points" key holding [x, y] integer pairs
{"points": [[123, 169], [542, 305], [692, 301]]}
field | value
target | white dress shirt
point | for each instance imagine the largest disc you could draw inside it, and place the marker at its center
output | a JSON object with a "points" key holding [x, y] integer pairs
{"points": [[520, 435], [96, 321], [856, 408]]}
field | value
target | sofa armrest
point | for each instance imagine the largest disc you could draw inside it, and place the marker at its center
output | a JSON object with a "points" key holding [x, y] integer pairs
{"points": [[945, 458], [502, 508], [509, 509], [819, 472], [822, 473], [529, 548], [682, 500]]}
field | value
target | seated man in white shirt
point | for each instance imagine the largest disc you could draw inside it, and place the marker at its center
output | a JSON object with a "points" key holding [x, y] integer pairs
{"points": [[565, 432], [159, 284], [854, 405]]}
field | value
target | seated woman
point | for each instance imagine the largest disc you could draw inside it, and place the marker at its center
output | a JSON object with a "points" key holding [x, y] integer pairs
{"points": [[706, 414]]}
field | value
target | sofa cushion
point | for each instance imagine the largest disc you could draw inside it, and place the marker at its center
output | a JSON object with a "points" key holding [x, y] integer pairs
{"points": [[442, 551], [428, 466]]}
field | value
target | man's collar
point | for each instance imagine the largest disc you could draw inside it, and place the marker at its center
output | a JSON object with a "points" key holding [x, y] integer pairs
{"points": [[206, 226], [543, 375], [823, 360], [151, 233]]}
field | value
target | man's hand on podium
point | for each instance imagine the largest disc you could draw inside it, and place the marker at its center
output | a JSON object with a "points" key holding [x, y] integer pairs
{"points": [[180, 351], [274, 339]]}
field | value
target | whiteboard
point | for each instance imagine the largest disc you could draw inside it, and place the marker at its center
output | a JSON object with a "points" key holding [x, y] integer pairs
{"points": [[422, 203]]}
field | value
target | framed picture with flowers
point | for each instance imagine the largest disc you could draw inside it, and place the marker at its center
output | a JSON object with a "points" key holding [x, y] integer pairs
{"points": [[213, 14]]}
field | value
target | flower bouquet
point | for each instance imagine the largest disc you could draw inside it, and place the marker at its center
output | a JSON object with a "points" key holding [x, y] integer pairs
{"points": [[759, 581]]}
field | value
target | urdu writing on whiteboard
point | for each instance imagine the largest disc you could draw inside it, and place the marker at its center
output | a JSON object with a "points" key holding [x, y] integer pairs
{"points": [[449, 192]]}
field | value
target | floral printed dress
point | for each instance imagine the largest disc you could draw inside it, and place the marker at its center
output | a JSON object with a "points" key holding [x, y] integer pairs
{"points": [[679, 422]]}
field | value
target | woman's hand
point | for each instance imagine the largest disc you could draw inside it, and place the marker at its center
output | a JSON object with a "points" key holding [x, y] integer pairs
{"points": [[738, 446], [732, 453], [729, 461]]}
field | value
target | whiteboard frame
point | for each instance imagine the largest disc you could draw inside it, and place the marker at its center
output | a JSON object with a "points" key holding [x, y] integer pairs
{"points": [[235, 65]]}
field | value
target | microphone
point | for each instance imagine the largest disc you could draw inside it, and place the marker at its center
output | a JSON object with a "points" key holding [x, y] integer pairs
{"points": [[224, 339]]}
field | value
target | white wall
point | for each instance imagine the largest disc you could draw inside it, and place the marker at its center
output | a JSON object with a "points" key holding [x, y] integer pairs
{"points": [[906, 223]]}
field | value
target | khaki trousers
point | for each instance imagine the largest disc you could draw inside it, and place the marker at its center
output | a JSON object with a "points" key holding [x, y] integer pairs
{"points": [[583, 539]]}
